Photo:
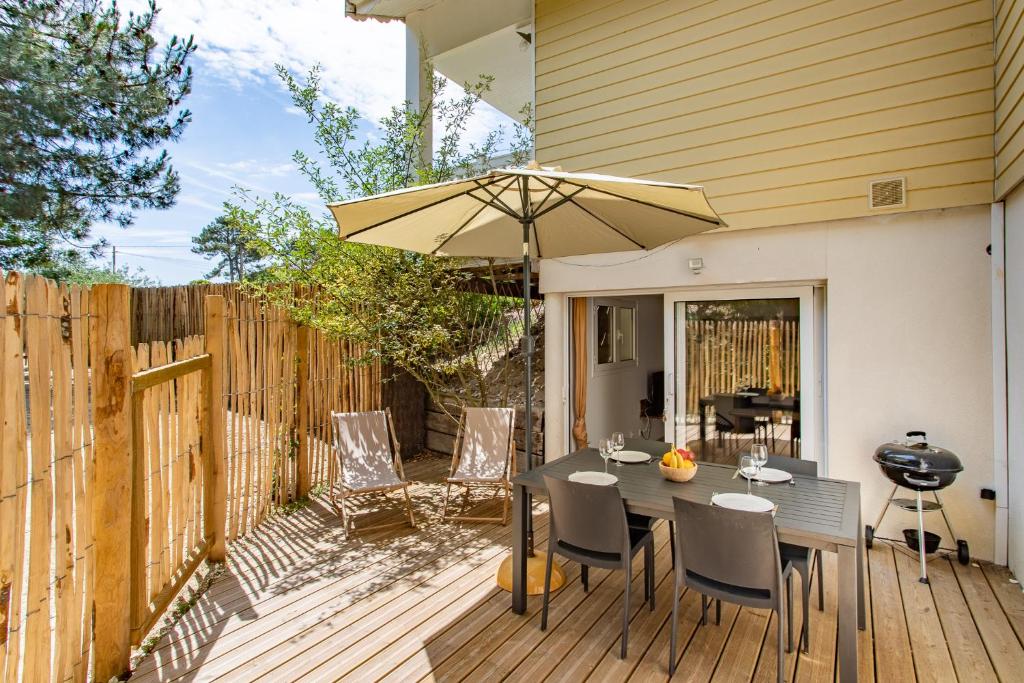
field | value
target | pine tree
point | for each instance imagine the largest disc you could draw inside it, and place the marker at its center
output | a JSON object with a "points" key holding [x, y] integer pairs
{"points": [[87, 100], [224, 238]]}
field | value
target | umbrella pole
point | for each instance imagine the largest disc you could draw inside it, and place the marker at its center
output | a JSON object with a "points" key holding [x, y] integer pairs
{"points": [[528, 388], [535, 565]]}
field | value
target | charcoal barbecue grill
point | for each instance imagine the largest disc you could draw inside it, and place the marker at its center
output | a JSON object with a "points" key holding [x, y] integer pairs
{"points": [[919, 466]]}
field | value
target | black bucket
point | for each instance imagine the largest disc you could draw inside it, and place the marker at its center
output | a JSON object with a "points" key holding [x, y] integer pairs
{"points": [[931, 541]]}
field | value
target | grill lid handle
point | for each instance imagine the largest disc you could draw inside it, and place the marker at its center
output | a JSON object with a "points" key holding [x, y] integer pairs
{"points": [[921, 436]]}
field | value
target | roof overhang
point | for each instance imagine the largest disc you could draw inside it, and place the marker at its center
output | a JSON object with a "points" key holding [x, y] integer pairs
{"points": [[468, 38]]}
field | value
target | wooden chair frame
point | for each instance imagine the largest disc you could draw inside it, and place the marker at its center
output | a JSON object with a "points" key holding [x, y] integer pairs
{"points": [[348, 521], [502, 485]]}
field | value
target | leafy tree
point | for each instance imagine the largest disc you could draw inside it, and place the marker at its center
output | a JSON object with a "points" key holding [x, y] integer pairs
{"points": [[83, 273], [224, 239], [411, 311], [86, 102]]}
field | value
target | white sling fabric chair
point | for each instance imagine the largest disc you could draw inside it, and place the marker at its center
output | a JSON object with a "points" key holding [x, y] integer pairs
{"points": [[369, 462], [483, 456]]}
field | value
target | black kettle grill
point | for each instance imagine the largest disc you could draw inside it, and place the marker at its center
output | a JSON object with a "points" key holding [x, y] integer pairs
{"points": [[919, 466]]}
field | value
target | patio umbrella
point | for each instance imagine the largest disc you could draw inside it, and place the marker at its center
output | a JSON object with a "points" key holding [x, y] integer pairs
{"points": [[528, 212]]}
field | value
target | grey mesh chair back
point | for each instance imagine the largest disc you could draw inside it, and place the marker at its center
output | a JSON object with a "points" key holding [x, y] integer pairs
{"points": [[807, 468], [727, 421], [655, 449], [728, 546], [588, 517]]}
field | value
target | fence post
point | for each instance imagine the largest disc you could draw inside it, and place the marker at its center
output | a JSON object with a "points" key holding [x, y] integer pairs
{"points": [[302, 376], [110, 342], [214, 437]]}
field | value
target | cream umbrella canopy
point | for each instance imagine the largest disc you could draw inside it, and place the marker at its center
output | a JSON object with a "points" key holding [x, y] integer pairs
{"points": [[529, 212]]}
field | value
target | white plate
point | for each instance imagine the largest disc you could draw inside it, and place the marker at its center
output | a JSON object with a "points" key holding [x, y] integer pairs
{"points": [[594, 478], [768, 474], [742, 501], [631, 456]]}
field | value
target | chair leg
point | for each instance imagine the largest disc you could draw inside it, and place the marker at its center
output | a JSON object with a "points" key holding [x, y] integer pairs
{"points": [[718, 612], [647, 571], [628, 567], [789, 613], [547, 587], [703, 610], [447, 496], [805, 593], [821, 580], [672, 540], [408, 506], [779, 655], [585, 577], [675, 625]]}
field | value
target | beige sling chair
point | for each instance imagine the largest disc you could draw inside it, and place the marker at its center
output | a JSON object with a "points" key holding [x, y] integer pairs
{"points": [[483, 456], [369, 462]]}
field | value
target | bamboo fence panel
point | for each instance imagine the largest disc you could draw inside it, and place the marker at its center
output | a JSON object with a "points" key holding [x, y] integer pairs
{"points": [[45, 520], [721, 355]]}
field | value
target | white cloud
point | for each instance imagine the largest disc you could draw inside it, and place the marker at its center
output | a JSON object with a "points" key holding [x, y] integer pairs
{"points": [[242, 40], [257, 167]]}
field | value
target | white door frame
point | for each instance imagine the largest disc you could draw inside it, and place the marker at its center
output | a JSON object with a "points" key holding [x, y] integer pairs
{"points": [[812, 446]]}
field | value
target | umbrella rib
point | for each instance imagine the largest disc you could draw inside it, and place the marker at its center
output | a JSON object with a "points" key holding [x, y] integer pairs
{"points": [[497, 198], [569, 198], [416, 210], [564, 198], [650, 204]]}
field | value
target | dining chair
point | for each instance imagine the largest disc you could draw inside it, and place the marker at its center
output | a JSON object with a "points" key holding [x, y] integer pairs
{"points": [[588, 525], [655, 449], [368, 462], [730, 555], [483, 456], [803, 559]]}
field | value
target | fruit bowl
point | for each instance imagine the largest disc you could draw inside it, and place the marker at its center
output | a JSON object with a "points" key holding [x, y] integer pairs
{"points": [[679, 474]]}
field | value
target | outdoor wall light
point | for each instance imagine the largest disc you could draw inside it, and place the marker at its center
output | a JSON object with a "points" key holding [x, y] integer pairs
{"points": [[696, 265]]}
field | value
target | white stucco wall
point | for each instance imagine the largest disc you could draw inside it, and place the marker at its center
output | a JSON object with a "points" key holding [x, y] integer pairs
{"points": [[613, 398], [908, 335], [1014, 260]]}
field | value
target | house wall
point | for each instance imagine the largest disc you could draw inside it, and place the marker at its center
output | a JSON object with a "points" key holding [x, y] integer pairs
{"points": [[1009, 93], [613, 398], [909, 343], [783, 110], [1014, 258]]}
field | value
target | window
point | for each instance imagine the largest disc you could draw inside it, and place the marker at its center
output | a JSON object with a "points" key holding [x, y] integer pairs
{"points": [[615, 328]]}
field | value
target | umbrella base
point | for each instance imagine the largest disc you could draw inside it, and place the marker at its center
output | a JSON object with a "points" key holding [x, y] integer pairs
{"points": [[534, 575]]}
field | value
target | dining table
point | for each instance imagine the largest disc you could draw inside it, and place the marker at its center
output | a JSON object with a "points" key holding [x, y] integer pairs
{"points": [[814, 512]]}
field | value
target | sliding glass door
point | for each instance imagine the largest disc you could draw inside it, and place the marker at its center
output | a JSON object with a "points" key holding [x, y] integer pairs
{"points": [[742, 370]]}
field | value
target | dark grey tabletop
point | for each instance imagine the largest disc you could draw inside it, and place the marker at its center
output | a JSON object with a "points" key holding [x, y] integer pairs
{"points": [[815, 512]]}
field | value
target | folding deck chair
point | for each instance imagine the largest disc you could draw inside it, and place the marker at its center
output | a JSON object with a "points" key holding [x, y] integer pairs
{"points": [[369, 462], [483, 456]]}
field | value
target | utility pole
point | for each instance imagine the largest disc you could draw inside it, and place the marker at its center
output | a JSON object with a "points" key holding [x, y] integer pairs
{"points": [[113, 259]]}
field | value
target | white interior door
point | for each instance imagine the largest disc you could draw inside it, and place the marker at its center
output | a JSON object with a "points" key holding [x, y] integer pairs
{"points": [[766, 338]]}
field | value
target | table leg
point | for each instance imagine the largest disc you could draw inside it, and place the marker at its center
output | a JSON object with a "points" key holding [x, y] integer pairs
{"points": [[848, 559], [520, 512], [861, 550]]}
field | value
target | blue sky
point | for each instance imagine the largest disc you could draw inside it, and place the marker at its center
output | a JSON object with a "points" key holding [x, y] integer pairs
{"points": [[244, 128]]}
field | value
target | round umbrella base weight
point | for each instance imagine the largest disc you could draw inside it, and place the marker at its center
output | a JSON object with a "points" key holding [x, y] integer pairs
{"points": [[534, 575]]}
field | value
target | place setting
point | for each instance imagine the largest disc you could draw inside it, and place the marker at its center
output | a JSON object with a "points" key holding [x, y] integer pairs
{"points": [[752, 469]]}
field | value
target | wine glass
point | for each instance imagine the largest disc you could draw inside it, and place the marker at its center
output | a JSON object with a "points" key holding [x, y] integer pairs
{"points": [[605, 449], [747, 468], [759, 452], [618, 443]]}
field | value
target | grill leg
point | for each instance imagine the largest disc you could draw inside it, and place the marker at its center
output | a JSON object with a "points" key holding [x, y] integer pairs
{"points": [[942, 509], [920, 540], [888, 500]]}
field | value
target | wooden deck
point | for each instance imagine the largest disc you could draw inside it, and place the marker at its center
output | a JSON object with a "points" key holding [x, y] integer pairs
{"points": [[300, 602]]}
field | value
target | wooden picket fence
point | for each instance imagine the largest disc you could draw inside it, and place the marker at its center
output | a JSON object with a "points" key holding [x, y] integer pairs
{"points": [[126, 465], [721, 355]]}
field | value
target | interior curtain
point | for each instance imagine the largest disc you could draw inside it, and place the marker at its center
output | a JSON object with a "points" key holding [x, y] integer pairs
{"points": [[580, 374]]}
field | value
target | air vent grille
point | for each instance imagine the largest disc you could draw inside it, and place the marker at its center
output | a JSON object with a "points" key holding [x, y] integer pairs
{"points": [[887, 193]]}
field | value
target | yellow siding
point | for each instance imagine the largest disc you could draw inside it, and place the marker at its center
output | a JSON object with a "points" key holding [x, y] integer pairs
{"points": [[1009, 95], [783, 109]]}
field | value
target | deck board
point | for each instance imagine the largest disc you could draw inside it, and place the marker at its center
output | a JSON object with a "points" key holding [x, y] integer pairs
{"points": [[301, 602]]}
